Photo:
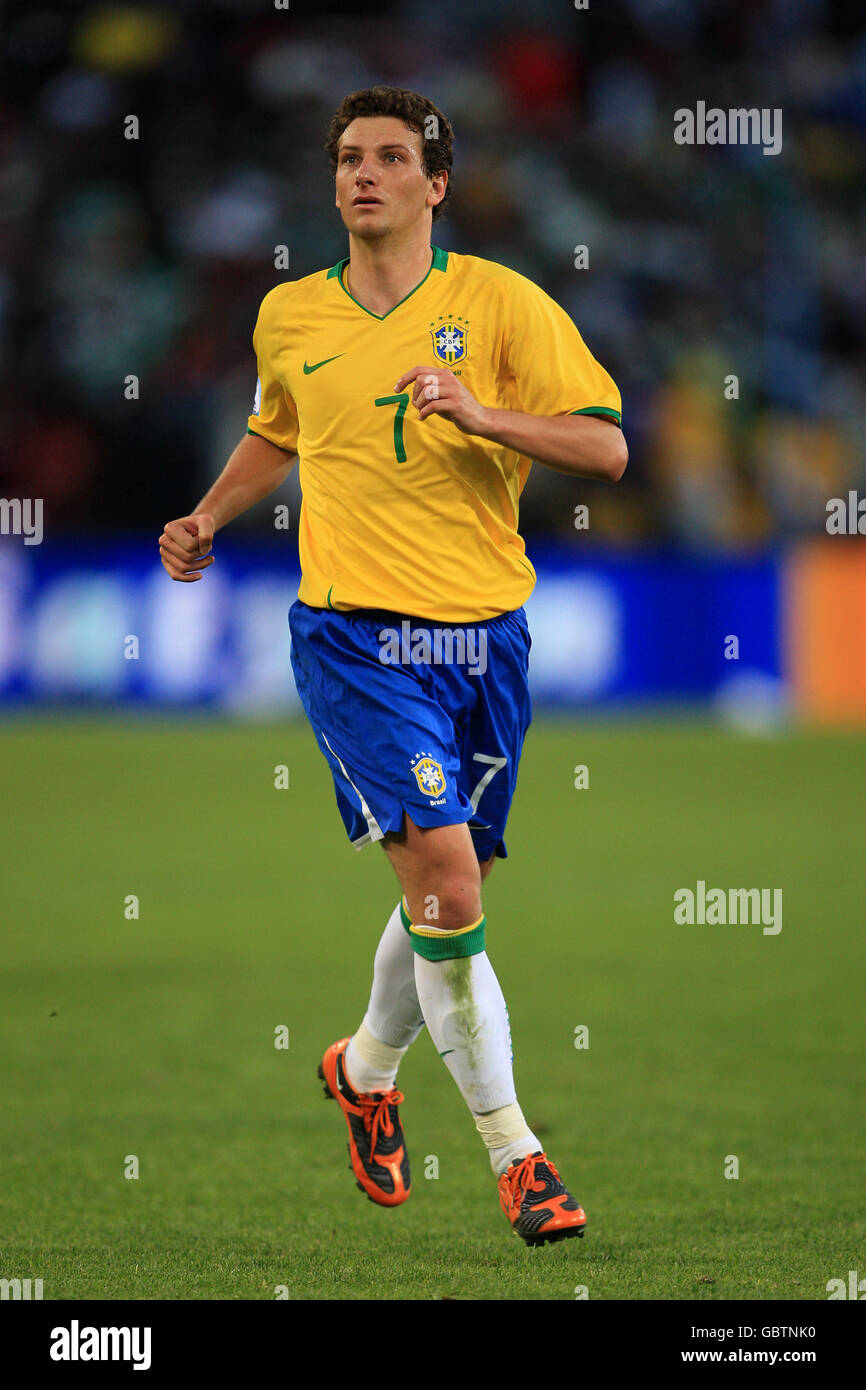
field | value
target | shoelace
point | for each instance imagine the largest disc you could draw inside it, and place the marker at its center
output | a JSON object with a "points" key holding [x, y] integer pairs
{"points": [[376, 1114], [524, 1176]]}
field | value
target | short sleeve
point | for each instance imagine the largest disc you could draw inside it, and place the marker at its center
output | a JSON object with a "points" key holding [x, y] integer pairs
{"points": [[274, 414], [554, 371]]}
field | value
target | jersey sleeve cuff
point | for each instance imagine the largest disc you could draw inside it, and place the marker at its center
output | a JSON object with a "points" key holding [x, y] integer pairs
{"points": [[604, 410]]}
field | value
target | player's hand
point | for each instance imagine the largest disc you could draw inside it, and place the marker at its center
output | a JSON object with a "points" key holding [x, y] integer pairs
{"points": [[184, 547], [438, 392]]}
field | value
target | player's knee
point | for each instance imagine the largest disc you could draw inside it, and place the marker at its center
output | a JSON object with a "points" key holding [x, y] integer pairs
{"points": [[453, 903]]}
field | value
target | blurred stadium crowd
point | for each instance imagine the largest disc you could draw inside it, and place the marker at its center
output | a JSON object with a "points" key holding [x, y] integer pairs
{"points": [[150, 256]]}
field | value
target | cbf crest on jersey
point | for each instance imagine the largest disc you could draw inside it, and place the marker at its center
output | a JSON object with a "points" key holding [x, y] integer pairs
{"points": [[449, 342], [428, 774]]}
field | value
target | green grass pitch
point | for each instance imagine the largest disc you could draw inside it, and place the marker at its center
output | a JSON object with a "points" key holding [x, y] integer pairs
{"points": [[155, 1037]]}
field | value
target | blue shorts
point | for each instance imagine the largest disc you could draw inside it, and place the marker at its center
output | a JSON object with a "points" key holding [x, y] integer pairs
{"points": [[416, 717]]}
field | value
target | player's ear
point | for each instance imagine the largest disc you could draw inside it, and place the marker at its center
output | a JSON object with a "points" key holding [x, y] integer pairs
{"points": [[441, 178]]}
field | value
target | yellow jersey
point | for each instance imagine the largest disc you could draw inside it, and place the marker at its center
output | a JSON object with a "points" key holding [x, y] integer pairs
{"points": [[399, 513]]}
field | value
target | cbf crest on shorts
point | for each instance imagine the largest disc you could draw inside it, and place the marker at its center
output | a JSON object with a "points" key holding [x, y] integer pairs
{"points": [[449, 342], [428, 774]]}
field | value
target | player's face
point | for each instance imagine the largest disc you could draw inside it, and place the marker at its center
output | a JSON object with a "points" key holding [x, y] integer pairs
{"points": [[381, 184]]}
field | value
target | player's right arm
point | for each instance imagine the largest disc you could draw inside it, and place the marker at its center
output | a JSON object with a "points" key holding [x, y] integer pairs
{"points": [[254, 470]]}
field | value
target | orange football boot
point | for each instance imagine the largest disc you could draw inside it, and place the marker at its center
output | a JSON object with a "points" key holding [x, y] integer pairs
{"points": [[538, 1205], [376, 1145]]}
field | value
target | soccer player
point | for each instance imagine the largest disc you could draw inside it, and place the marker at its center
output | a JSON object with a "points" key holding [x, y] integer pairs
{"points": [[416, 386]]}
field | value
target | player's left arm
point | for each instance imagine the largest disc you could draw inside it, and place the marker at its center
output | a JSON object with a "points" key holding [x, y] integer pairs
{"points": [[584, 445]]}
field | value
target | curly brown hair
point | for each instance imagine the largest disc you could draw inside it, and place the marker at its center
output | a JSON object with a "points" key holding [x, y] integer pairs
{"points": [[416, 112]]}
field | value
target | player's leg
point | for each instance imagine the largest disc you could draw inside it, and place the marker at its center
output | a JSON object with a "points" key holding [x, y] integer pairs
{"points": [[465, 1013], [360, 1072], [459, 994]]}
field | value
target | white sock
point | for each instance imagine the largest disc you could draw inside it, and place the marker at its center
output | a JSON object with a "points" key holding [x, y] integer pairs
{"points": [[371, 1065], [465, 1011], [393, 1019]]}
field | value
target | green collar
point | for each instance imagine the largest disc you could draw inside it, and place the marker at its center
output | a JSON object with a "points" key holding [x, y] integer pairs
{"points": [[439, 262]]}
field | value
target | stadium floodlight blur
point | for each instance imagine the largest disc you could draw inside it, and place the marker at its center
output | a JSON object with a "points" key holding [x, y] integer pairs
{"points": [[146, 258]]}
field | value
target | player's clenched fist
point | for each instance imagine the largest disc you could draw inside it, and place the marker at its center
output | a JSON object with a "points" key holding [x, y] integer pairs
{"points": [[184, 546]]}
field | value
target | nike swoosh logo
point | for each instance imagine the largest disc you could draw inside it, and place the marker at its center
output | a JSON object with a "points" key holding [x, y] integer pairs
{"points": [[316, 365]]}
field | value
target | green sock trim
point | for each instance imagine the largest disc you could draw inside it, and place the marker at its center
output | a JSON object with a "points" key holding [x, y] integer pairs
{"points": [[452, 946], [404, 916]]}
